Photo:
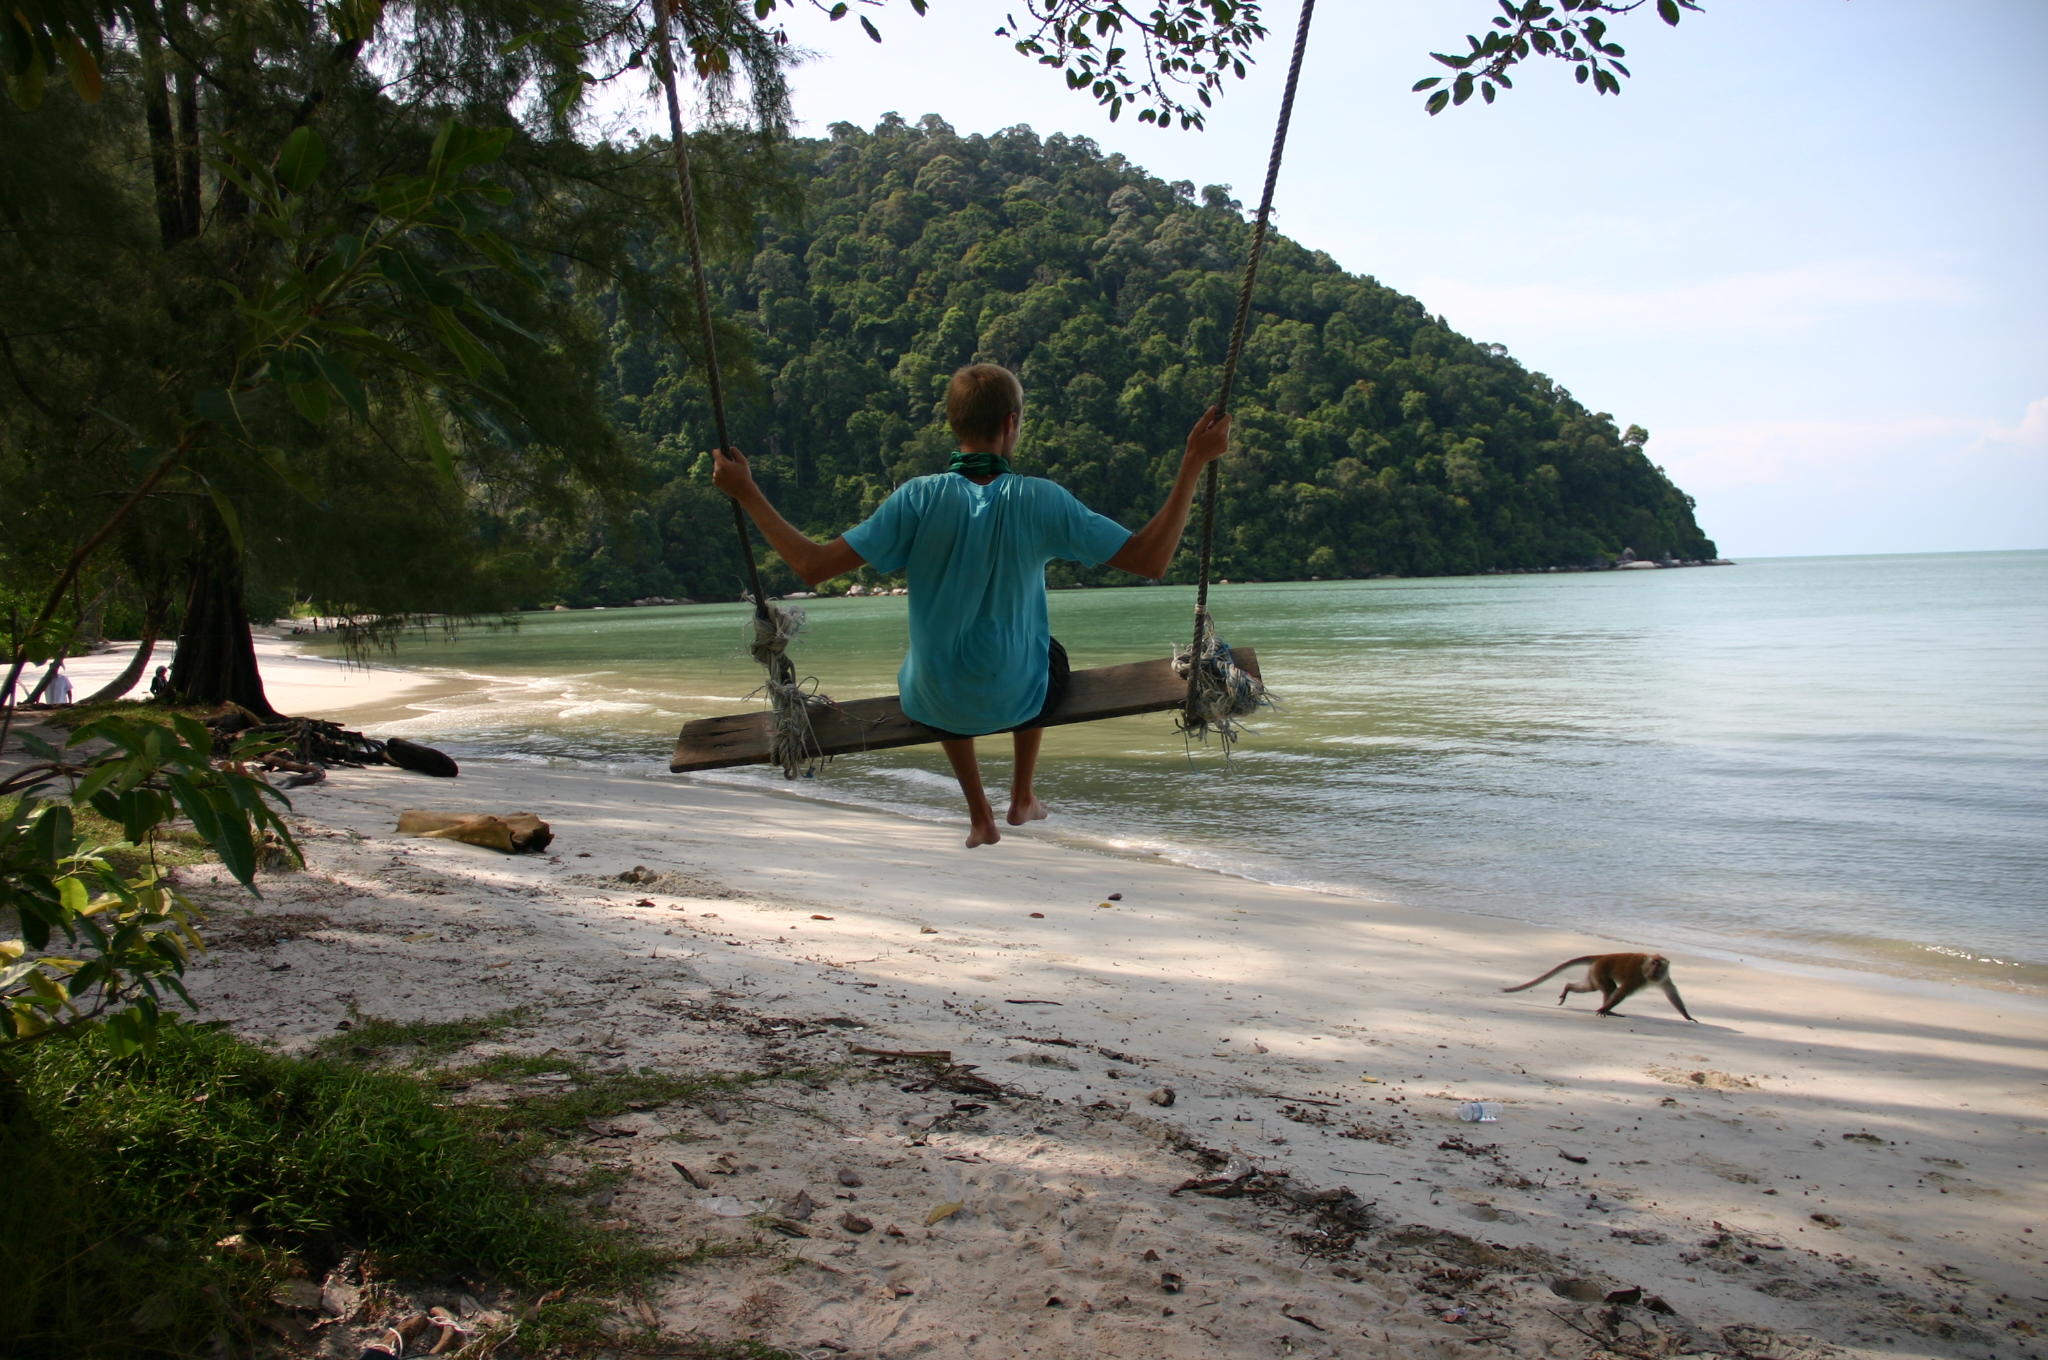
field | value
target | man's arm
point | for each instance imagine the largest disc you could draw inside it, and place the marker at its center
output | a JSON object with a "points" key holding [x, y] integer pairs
{"points": [[814, 561], [1149, 552]]}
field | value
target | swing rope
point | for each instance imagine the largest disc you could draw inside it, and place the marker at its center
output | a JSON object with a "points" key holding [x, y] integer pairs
{"points": [[1219, 692], [794, 746]]}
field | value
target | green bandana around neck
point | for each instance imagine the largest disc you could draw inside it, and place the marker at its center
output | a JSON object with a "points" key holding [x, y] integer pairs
{"points": [[981, 464]]}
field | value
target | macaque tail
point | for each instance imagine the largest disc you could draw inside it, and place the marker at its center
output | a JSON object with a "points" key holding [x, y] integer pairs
{"points": [[1568, 963]]}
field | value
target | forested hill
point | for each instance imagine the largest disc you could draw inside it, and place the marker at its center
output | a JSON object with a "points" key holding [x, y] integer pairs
{"points": [[1372, 439]]}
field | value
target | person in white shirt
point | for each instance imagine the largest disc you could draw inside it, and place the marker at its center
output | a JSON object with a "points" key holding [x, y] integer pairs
{"points": [[56, 686]]}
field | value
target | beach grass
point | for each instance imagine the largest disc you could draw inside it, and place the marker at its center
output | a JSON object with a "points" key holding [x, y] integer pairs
{"points": [[74, 716], [128, 1175]]}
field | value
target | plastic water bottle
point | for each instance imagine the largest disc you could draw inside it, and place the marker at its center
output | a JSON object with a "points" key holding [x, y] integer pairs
{"points": [[1480, 1112]]}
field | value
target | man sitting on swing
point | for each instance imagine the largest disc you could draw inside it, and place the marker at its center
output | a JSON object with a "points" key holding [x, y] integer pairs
{"points": [[975, 540]]}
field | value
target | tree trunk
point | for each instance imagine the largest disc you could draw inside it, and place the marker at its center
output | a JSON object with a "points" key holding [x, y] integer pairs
{"points": [[152, 626], [35, 695], [163, 138], [188, 148], [216, 660]]}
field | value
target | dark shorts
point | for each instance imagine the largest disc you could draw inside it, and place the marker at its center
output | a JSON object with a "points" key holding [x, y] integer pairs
{"points": [[1058, 674]]}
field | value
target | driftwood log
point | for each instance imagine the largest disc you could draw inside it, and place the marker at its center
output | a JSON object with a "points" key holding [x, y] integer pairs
{"points": [[314, 741], [515, 833]]}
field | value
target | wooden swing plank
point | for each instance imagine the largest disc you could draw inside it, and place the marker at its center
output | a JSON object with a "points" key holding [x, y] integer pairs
{"points": [[879, 724]]}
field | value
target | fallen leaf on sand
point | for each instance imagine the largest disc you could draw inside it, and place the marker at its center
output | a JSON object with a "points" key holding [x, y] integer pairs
{"points": [[940, 1054], [1572, 1157], [816, 917], [1022, 1001], [423, 935], [297, 1294], [946, 1210], [927, 930]]}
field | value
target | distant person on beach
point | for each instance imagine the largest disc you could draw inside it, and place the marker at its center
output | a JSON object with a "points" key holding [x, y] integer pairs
{"points": [[160, 685], [56, 686], [974, 540]]}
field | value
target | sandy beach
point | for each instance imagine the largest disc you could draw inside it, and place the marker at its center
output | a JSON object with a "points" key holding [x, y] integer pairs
{"points": [[1823, 1165]]}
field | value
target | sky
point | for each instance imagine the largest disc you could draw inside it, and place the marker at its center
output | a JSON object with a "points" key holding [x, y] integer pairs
{"points": [[1806, 248]]}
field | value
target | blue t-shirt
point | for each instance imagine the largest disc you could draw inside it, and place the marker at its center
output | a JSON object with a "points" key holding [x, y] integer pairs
{"points": [[976, 557]]}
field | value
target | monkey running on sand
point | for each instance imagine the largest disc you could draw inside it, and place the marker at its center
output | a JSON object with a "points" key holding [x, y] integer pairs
{"points": [[1616, 977]]}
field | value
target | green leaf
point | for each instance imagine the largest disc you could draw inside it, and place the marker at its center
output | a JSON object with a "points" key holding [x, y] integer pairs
{"points": [[300, 161], [1425, 84], [311, 400], [196, 735], [228, 515], [52, 834], [872, 31], [437, 447], [344, 382], [456, 148], [420, 280], [468, 350], [490, 313], [501, 253], [85, 72], [236, 847], [195, 807], [36, 746], [15, 972], [275, 459], [26, 88], [219, 405], [101, 775], [259, 183]]}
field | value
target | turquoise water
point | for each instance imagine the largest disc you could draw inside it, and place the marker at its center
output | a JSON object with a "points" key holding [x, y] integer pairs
{"points": [[1831, 760]]}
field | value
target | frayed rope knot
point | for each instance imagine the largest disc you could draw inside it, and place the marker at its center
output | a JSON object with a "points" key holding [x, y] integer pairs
{"points": [[791, 744], [1221, 691]]}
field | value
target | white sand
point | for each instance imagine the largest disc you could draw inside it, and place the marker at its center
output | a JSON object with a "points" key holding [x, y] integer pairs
{"points": [[295, 682], [1245, 999], [1914, 1117]]}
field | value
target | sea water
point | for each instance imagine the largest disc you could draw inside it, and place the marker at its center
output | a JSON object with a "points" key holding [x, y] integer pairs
{"points": [[1837, 761]]}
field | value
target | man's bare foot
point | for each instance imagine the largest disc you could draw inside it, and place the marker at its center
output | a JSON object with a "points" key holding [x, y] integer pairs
{"points": [[1030, 810], [982, 833]]}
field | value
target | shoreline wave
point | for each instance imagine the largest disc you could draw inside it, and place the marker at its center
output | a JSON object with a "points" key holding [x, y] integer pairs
{"points": [[1896, 961]]}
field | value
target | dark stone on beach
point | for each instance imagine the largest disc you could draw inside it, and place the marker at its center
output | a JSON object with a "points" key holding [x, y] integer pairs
{"points": [[409, 755]]}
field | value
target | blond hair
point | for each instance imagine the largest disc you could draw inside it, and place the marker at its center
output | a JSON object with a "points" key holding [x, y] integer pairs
{"points": [[979, 398]]}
